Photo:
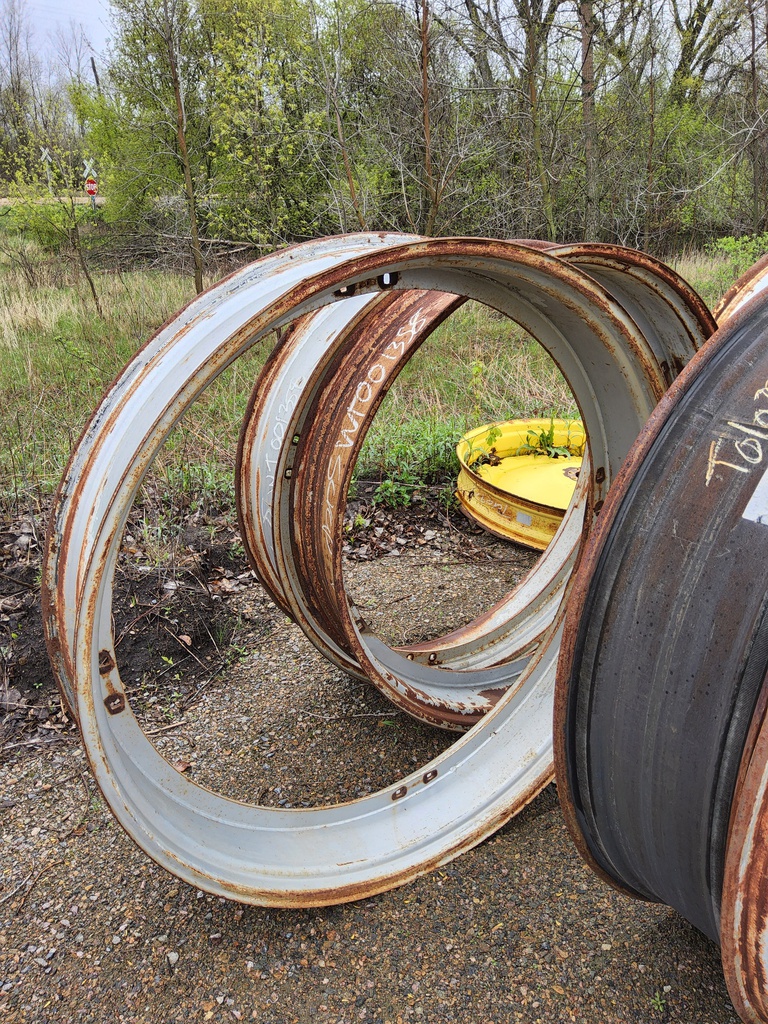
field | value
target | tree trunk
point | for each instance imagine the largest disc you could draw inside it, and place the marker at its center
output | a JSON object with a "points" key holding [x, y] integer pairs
{"points": [[547, 202], [429, 176], [586, 22], [181, 137], [650, 167], [755, 143]]}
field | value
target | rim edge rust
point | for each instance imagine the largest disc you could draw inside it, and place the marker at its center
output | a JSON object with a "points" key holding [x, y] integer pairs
{"points": [[693, 723]]}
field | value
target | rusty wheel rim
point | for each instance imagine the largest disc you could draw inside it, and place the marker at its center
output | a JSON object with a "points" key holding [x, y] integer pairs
{"points": [[303, 570], [665, 646], [300, 857]]}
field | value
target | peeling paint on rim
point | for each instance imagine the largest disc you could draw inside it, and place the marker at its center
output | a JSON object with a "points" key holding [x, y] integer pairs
{"points": [[301, 857]]}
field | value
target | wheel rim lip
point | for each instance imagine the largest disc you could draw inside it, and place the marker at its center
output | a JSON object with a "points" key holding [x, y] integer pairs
{"points": [[644, 277], [100, 536], [744, 934], [585, 579], [296, 360], [676, 296], [751, 284]]}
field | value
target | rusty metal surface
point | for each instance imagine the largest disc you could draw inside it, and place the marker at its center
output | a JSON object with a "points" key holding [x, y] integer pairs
{"points": [[744, 930], [279, 414], [397, 330], [751, 283], [255, 854], [318, 588], [672, 316], [666, 649], [324, 459], [302, 857]]}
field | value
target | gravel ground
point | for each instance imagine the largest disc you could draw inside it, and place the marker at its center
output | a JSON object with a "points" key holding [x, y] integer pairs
{"points": [[517, 929]]}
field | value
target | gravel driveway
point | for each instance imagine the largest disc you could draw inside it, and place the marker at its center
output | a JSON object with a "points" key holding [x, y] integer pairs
{"points": [[515, 930]]}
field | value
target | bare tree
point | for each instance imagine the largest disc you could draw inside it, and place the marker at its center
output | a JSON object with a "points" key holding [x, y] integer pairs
{"points": [[153, 68]]}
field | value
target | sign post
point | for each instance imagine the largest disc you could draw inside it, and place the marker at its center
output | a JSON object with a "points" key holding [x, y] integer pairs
{"points": [[92, 188], [46, 158]]}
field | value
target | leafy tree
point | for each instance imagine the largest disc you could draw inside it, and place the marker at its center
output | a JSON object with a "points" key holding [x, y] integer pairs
{"points": [[149, 124], [264, 115]]}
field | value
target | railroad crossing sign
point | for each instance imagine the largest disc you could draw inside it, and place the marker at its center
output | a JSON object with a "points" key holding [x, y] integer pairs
{"points": [[47, 159], [90, 170], [92, 187]]}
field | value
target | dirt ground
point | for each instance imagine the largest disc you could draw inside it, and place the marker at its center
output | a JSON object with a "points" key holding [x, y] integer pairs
{"points": [[91, 930]]}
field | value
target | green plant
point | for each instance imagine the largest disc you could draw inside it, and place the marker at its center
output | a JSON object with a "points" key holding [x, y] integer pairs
{"points": [[740, 252], [446, 497], [409, 447], [658, 1002], [481, 449], [393, 494], [542, 442], [358, 522]]}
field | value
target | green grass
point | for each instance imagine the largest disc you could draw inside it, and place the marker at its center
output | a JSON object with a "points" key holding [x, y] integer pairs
{"points": [[476, 368], [57, 357], [709, 274]]}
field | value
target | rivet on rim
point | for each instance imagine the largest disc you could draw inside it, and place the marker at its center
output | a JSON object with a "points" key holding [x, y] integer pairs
{"points": [[114, 703], [106, 662]]}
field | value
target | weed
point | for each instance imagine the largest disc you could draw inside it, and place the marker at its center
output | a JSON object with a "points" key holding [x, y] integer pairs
{"points": [[393, 494], [658, 1002], [358, 522], [542, 442], [482, 451], [446, 497]]}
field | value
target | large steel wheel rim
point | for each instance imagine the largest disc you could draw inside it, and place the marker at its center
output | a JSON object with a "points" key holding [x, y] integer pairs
{"points": [[477, 661], [530, 608], [653, 817], [676, 322], [275, 418], [265, 499], [273, 856], [488, 643]]}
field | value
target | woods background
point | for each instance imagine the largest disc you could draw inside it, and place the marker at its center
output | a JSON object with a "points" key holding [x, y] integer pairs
{"points": [[223, 129]]}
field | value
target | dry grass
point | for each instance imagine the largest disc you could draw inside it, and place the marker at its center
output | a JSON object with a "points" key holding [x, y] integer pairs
{"points": [[59, 355], [711, 276]]}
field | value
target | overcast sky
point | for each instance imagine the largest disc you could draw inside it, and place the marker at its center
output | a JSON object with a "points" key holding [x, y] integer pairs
{"points": [[46, 16]]}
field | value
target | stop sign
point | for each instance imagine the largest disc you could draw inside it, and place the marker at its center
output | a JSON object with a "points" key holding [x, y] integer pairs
{"points": [[91, 186]]}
